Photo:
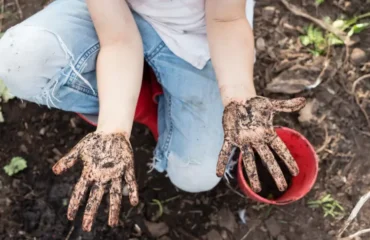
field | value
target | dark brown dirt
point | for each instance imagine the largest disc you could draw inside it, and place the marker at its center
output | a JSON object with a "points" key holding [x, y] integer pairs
{"points": [[33, 203]]}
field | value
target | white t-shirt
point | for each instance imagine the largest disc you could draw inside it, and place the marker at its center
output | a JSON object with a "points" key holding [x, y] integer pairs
{"points": [[182, 26]]}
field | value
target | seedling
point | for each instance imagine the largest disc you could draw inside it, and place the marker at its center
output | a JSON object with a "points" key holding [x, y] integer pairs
{"points": [[329, 205], [319, 2], [320, 42], [16, 165]]}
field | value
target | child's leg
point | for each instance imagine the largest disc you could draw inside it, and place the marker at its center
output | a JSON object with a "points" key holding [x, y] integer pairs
{"points": [[190, 122], [50, 58]]}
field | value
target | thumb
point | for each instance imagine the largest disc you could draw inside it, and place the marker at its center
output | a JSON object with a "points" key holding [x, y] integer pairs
{"points": [[290, 105], [67, 161]]}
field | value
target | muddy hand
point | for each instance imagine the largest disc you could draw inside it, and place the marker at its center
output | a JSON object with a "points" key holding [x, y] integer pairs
{"points": [[106, 158], [249, 126]]}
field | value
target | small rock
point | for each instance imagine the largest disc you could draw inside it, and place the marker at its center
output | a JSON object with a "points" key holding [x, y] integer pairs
{"points": [[281, 237], [227, 220], [332, 232], [214, 235], [42, 131], [268, 13], [358, 56], [23, 148], [157, 229], [261, 44], [338, 181], [273, 227], [224, 234]]}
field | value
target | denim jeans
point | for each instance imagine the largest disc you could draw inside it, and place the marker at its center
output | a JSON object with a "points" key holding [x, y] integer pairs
{"points": [[50, 59]]}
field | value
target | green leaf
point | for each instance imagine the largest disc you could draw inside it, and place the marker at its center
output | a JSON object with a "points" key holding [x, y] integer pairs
{"points": [[319, 2], [357, 28], [334, 40], [16, 165], [5, 95], [305, 40]]}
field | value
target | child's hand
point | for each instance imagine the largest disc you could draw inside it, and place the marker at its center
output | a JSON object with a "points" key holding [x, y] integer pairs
{"points": [[250, 125], [106, 157]]}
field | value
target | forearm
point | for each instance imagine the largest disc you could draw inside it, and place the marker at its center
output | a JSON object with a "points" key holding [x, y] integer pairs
{"points": [[119, 66], [119, 73], [232, 51]]}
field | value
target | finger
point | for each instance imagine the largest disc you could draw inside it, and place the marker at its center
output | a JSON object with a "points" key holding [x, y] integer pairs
{"points": [[282, 151], [250, 168], [115, 202], [96, 195], [273, 167], [291, 105], [67, 161], [77, 195], [223, 158], [132, 185]]}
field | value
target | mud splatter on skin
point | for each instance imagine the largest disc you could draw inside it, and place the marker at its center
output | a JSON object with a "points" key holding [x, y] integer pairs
{"points": [[106, 158], [250, 126]]}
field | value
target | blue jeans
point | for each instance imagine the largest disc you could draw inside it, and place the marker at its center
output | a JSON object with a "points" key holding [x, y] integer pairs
{"points": [[50, 59]]}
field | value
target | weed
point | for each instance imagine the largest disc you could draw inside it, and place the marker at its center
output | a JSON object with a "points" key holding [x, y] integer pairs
{"points": [[16, 165], [319, 2], [329, 205], [320, 42]]}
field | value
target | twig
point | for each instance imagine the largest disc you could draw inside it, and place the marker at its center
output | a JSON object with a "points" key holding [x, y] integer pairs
{"points": [[70, 233], [320, 77], [354, 213], [234, 191], [297, 11], [326, 141], [20, 12], [354, 85], [363, 111], [353, 236]]}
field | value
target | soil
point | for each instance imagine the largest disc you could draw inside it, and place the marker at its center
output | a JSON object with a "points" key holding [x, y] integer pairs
{"points": [[33, 203]]}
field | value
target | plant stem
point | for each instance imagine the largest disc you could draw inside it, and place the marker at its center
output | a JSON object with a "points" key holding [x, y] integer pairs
{"points": [[365, 15]]}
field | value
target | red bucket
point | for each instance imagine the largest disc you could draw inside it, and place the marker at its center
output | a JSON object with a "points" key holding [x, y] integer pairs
{"points": [[307, 160]]}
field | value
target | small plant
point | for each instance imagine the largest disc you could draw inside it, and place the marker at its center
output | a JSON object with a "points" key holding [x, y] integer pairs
{"points": [[320, 42], [329, 205], [16, 165], [319, 2]]}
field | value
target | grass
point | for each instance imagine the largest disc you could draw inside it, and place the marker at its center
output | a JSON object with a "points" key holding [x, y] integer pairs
{"points": [[329, 205]]}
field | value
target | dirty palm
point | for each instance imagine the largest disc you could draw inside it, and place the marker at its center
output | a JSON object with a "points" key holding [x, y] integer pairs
{"points": [[109, 60]]}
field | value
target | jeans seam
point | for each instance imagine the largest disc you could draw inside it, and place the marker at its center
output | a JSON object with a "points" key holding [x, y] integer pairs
{"points": [[156, 50], [168, 111], [79, 66]]}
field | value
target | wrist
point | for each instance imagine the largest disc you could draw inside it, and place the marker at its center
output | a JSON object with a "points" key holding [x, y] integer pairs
{"points": [[237, 93], [114, 125]]}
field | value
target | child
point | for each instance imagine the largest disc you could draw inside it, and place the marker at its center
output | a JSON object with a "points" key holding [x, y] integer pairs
{"points": [[74, 49]]}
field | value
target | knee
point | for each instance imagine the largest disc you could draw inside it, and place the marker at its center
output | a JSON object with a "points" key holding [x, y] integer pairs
{"points": [[30, 57], [193, 175]]}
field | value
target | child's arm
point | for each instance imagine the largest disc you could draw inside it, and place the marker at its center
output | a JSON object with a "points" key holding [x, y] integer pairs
{"points": [[107, 154], [247, 119], [119, 66], [232, 48]]}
